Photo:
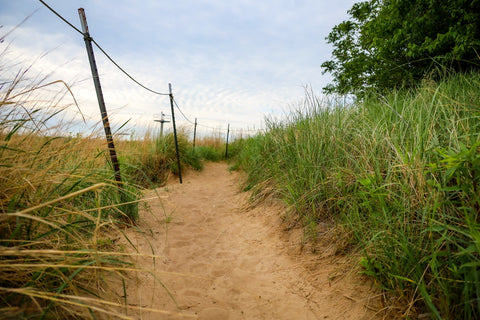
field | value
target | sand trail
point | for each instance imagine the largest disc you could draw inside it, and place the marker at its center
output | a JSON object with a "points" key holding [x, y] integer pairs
{"points": [[219, 261]]}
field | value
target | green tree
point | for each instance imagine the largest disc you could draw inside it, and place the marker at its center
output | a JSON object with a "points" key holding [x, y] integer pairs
{"points": [[393, 43]]}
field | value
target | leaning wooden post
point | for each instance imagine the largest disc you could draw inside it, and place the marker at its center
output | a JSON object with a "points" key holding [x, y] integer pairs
{"points": [[101, 101], [175, 133]]}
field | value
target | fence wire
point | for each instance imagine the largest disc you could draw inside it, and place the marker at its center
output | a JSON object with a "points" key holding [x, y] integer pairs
{"points": [[117, 65]]}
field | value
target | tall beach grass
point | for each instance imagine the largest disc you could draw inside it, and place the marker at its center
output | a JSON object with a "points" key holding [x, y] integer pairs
{"points": [[399, 173], [60, 206]]}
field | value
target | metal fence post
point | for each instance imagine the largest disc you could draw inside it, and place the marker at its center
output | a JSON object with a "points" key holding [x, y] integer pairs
{"points": [[101, 101], [175, 133], [194, 134], [226, 147]]}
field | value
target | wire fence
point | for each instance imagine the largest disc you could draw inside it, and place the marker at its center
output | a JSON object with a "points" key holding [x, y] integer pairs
{"points": [[194, 128]]}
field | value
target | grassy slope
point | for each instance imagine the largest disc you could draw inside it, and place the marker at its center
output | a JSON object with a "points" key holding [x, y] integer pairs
{"points": [[401, 172], [59, 202]]}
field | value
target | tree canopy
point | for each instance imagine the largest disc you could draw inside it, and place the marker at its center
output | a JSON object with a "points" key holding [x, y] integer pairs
{"points": [[393, 43]]}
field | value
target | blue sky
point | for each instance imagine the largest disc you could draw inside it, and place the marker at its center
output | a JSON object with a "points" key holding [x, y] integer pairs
{"points": [[231, 61]]}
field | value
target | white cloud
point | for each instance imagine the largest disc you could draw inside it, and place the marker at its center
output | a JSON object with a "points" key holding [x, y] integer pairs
{"points": [[229, 61]]}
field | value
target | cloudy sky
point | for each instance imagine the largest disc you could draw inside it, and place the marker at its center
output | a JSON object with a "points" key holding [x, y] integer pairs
{"points": [[233, 61]]}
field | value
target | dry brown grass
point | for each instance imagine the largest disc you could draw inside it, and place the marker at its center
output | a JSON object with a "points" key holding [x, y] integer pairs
{"points": [[59, 207]]}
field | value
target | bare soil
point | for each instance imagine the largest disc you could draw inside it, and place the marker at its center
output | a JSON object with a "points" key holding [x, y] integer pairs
{"points": [[218, 260]]}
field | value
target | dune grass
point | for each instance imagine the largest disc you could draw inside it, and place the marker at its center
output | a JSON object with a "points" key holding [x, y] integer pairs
{"points": [[400, 174], [60, 206], [149, 161]]}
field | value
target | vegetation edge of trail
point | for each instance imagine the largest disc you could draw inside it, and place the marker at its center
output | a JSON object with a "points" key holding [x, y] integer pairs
{"points": [[399, 174]]}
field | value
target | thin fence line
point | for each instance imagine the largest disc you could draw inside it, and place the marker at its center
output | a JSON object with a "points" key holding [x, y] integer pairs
{"points": [[126, 73], [236, 129], [103, 51], [205, 126], [175, 101], [64, 20], [191, 122], [136, 81]]}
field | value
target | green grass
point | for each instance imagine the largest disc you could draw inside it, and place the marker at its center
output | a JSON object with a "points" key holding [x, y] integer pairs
{"points": [[149, 161], [209, 153], [401, 173]]}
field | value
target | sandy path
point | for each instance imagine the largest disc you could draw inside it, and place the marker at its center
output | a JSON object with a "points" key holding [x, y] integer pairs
{"points": [[228, 263]]}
